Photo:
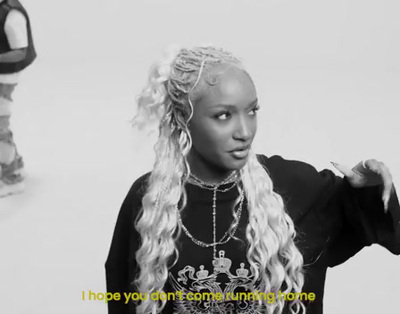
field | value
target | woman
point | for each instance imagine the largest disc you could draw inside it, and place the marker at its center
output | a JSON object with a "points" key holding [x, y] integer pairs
{"points": [[213, 217]]}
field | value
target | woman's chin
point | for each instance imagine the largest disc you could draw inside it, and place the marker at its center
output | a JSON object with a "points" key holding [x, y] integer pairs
{"points": [[236, 164]]}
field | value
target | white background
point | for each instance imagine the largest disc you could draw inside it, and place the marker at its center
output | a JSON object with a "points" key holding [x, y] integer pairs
{"points": [[328, 78]]}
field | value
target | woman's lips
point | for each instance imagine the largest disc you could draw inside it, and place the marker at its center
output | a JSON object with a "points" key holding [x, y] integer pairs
{"points": [[240, 153]]}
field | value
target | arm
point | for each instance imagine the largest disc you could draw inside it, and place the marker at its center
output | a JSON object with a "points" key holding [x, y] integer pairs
{"points": [[331, 213], [17, 34], [13, 55], [333, 220], [365, 223], [371, 209]]}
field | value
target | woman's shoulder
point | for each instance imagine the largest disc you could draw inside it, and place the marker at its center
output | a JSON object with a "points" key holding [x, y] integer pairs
{"points": [[299, 180], [282, 168], [133, 200], [139, 186]]}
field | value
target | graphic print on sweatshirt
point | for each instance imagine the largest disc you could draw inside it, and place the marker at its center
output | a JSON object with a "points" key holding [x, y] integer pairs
{"points": [[218, 282]]}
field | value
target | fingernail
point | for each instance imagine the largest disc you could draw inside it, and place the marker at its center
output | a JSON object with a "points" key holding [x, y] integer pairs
{"points": [[385, 202]]}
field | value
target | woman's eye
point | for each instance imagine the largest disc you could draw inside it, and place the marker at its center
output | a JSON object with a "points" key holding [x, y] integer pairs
{"points": [[223, 116], [254, 110]]}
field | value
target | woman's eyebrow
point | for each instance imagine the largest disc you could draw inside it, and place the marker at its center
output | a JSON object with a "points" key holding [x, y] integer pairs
{"points": [[230, 106], [254, 102]]}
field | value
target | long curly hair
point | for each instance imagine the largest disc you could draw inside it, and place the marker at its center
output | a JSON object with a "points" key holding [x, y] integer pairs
{"points": [[174, 83]]}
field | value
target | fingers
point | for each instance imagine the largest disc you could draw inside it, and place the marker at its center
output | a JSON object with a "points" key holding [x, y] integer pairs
{"points": [[371, 170], [383, 171], [387, 185], [375, 172], [364, 167], [343, 169], [356, 177], [361, 168]]}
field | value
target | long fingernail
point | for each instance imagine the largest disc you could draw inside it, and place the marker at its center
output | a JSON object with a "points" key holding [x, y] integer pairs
{"points": [[385, 200]]}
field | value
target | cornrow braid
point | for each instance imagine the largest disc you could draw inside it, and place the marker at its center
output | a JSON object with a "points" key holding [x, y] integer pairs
{"points": [[185, 68]]}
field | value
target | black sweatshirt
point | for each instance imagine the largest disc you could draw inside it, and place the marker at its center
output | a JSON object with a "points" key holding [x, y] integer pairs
{"points": [[333, 222]]}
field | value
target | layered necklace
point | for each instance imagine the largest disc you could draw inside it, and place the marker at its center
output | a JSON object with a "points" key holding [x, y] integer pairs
{"points": [[233, 179]]}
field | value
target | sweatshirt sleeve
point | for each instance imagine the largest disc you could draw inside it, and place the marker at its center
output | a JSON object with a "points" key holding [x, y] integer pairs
{"points": [[332, 215], [365, 223], [121, 264]]}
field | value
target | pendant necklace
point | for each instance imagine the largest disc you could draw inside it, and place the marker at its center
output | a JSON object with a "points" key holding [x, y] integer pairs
{"points": [[232, 178]]}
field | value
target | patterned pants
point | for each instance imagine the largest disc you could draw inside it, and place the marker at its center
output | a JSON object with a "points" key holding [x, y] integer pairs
{"points": [[10, 161]]}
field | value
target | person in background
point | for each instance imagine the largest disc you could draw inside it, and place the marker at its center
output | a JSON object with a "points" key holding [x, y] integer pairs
{"points": [[16, 53]]}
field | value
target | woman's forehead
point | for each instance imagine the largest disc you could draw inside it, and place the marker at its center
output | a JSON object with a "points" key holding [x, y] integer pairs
{"points": [[229, 84]]}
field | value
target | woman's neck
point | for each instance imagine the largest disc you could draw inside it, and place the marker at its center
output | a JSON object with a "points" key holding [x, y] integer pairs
{"points": [[231, 177], [210, 175], [207, 171]]}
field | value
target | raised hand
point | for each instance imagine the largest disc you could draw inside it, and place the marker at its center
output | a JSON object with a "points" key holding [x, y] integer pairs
{"points": [[369, 172]]}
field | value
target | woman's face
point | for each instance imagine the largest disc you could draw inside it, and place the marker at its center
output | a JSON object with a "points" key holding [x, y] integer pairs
{"points": [[224, 123]]}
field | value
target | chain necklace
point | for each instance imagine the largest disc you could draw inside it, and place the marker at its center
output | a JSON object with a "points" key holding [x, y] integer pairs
{"points": [[194, 182], [232, 178], [225, 238]]}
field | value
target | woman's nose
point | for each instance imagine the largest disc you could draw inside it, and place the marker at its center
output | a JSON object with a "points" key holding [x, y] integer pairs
{"points": [[243, 129]]}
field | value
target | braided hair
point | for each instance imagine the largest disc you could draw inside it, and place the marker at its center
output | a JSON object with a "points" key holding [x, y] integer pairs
{"points": [[176, 82]]}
